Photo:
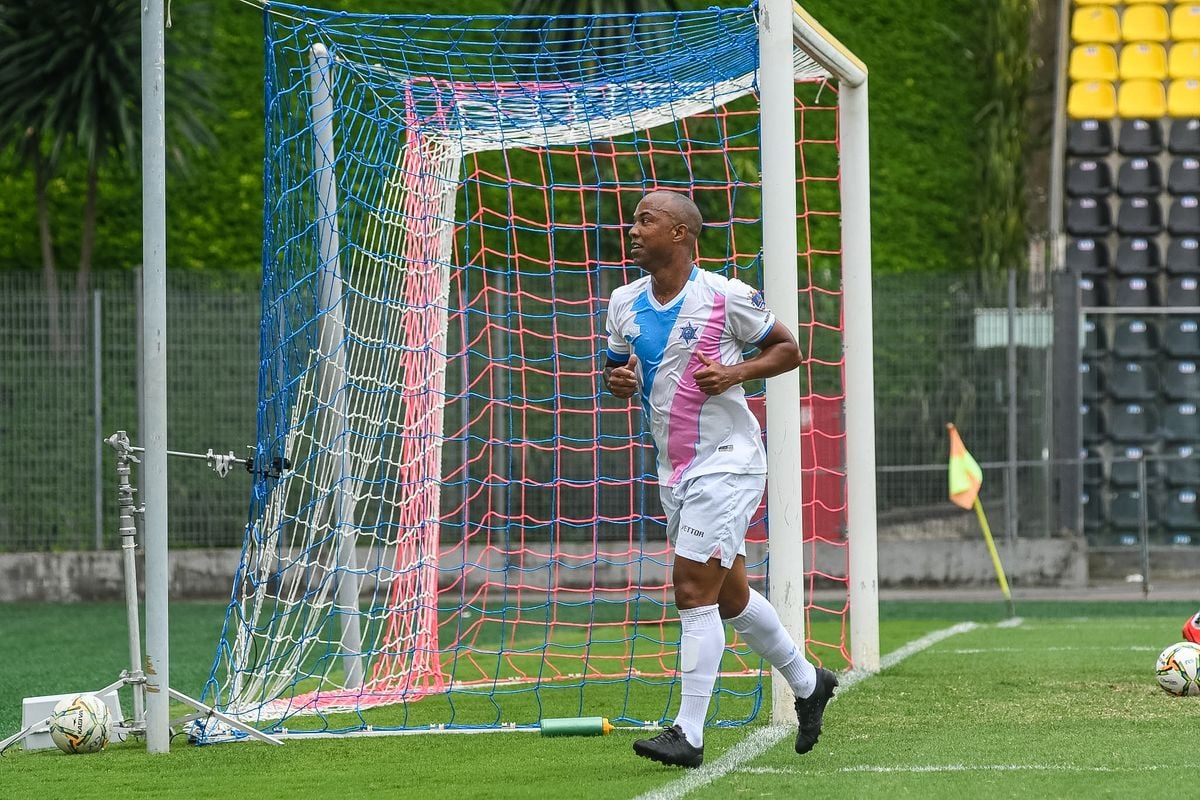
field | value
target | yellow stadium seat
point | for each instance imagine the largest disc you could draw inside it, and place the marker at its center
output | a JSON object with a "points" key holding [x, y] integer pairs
{"points": [[1184, 61], [1093, 62], [1141, 99], [1092, 100], [1145, 23], [1183, 98], [1143, 60], [1185, 22], [1095, 24]]}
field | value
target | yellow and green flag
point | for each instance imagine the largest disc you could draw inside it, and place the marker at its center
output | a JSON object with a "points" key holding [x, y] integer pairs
{"points": [[965, 475]]}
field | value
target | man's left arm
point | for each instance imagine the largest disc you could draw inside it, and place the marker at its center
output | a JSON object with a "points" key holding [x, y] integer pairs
{"points": [[777, 353]]}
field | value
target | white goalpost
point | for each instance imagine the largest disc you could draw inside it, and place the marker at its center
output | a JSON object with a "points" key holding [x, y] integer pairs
{"points": [[467, 536]]}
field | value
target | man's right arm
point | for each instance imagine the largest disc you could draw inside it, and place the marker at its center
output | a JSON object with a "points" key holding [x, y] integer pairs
{"points": [[621, 379]]}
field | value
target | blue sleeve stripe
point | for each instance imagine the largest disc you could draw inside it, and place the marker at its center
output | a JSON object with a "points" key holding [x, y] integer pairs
{"points": [[616, 359], [766, 333]]}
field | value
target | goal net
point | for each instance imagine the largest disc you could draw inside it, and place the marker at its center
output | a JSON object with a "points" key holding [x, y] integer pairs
{"points": [[452, 525]]}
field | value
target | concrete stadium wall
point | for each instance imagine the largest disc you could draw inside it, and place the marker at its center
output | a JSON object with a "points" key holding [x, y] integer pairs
{"points": [[208, 574]]}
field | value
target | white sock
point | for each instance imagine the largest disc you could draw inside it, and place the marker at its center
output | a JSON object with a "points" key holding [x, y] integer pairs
{"points": [[759, 626], [701, 646]]}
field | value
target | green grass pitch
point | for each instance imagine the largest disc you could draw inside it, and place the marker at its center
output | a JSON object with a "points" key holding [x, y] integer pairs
{"points": [[1062, 705]]}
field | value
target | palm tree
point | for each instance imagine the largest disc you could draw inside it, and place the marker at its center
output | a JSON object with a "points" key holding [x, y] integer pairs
{"points": [[72, 76]]}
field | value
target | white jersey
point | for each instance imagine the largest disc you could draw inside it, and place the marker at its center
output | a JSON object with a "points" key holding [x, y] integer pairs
{"points": [[694, 434]]}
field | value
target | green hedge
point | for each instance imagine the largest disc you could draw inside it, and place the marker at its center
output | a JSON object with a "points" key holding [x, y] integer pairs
{"points": [[927, 89]]}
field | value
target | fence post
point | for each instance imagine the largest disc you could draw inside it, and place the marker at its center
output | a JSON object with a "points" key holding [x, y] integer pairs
{"points": [[98, 413]]}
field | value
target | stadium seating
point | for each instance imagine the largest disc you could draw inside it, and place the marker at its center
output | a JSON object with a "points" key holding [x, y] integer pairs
{"points": [[1184, 139], [1137, 256], [1092, 137], [1137, 176], [1132, 380], [1091, 381], [1131, 423], [1087, 257], [1089, 178], [1140, 137], [1132, 222], [1180, 338], [1181, 423], [1183, 256], [1134, 337]]}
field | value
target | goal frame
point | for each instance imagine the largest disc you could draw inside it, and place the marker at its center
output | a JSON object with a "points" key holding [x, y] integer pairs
{"points": [[782, 25]]}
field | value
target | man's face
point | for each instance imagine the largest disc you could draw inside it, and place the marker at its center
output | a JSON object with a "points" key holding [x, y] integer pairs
{"points": [[653, 234]]}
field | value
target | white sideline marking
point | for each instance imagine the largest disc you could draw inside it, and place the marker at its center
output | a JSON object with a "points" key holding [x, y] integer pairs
{"points": [[965, 768], [764, 739], [1011, 622]]}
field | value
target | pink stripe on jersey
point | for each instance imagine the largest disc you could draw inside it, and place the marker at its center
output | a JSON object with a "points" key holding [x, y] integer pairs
{"points": [[683, 421]]}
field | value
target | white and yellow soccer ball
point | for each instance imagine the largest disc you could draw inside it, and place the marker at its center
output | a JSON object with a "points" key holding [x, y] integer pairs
{"points": [[81, 724], [1178, 669]]}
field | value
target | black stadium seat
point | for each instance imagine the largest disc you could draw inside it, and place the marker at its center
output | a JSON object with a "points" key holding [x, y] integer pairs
{"points": [[1127, 507], [1185, 137], [1184, 176], [1092, 467], [1181, 465], [1181, 337], [1094, 339], [1181, 423], [1182, 512], [1183, 256], [1092, 424], [1091, 380], [1137, 176], [1138, 256], [1132, 423], [1134, 337], [1126, 464], [1184, 216], [1137, 216], [1092, 506], [1089, 178], [1134, 293], [1092, 292], [1183, 291], [1087, 257], [1089, 137], [1181, 380], [1132, 380], [1140, 137], [1087, 216]]}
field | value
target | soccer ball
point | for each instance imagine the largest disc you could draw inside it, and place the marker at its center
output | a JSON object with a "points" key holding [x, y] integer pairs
{"points": [[81, 724], [1178, 669], [1191, 629]]}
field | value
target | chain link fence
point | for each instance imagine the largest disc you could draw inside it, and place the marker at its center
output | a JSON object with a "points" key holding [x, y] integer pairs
{"points": [[941, 356], [69, 378]]}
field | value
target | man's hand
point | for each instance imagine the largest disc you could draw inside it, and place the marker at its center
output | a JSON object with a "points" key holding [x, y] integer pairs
{"points": [[715, 377], [623, 381]]}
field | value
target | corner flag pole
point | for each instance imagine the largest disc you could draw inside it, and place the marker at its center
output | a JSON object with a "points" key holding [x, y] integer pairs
{"points": [[966, 478]]}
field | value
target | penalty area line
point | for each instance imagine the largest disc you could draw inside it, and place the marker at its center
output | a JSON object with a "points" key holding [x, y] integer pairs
{"points": [[765, 738]]}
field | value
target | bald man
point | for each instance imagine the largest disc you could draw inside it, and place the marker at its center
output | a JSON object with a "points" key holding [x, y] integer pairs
{"points": [[676, 338]]}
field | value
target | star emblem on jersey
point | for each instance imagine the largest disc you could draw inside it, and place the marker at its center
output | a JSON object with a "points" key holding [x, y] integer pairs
{"points": [[688, 333]]}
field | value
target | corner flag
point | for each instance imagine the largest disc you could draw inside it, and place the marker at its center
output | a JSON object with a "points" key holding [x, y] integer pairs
{"points": [[965, 475], [965, 479]]}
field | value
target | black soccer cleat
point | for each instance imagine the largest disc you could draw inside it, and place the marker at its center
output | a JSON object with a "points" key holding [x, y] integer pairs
{"points": [[670, 747], [810, 710]]}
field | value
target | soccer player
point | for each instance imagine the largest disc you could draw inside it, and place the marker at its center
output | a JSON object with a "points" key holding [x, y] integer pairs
{"points": [[676, 335]]}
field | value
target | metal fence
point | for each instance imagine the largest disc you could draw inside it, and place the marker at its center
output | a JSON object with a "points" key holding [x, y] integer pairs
{"points": [[65, 386], [942, 355]]}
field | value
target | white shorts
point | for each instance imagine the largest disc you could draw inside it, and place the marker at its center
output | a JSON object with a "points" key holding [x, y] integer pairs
{"points": [[708, 515]]}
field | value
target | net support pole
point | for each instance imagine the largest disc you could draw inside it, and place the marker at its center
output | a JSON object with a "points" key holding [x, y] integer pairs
{"points": [[777, 99], [860, 378], [154, 366], [331, 384], [857, 344]]}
